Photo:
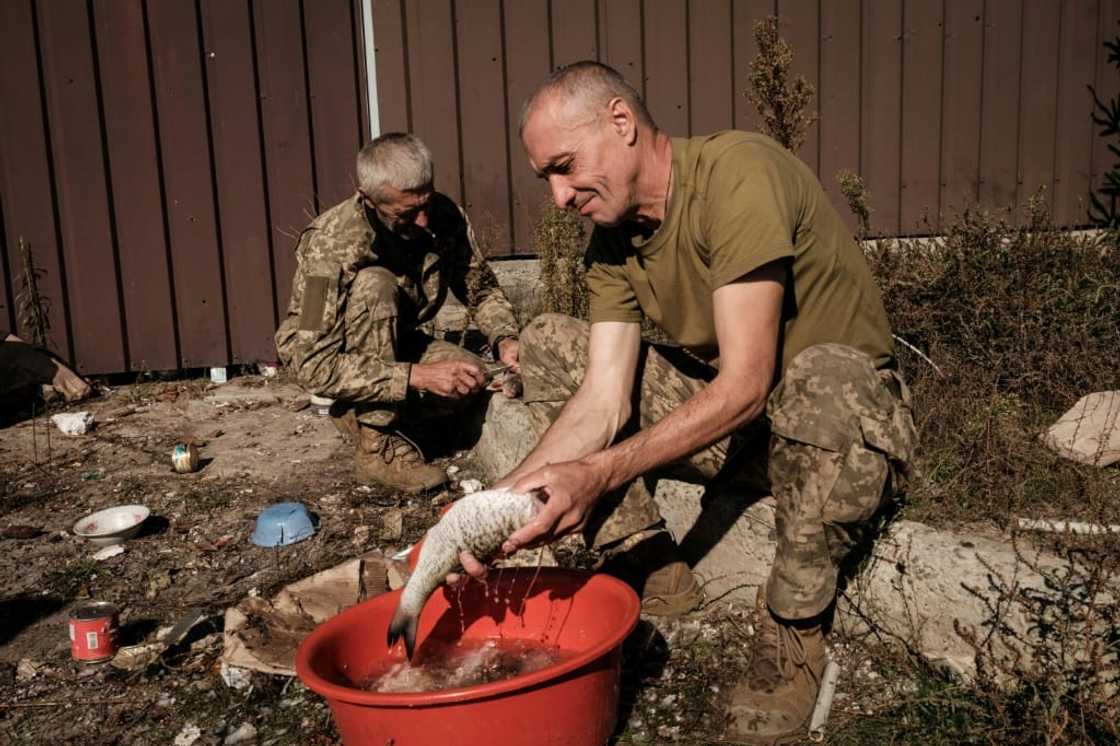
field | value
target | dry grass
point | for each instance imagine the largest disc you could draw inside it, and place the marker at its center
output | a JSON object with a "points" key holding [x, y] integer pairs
{"points": [[1021, 322]]}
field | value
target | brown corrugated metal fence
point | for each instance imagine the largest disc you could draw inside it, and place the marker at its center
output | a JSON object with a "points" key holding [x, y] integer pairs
{"points": [[160, 157], [937, 104]]}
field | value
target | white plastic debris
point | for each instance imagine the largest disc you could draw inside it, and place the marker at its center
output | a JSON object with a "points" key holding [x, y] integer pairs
{"points": [[824, 702], [452, 470], [73, 423], [188, 735], [27, 669], [236, 678], [268, 370], [470, 485], [244, 734], [109, 552], [218, 375], [1061, 527]]}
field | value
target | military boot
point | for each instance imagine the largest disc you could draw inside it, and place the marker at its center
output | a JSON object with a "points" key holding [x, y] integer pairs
{"points": [[390, 459], [774, 702], [345, 421], [650, 562]]}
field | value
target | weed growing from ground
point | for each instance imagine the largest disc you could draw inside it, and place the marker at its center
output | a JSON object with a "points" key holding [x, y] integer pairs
{"points": [[859, 200], [561, 240], [32, 307], [1021, 322], [1106, 115], [1054, 683], [781, 102]]}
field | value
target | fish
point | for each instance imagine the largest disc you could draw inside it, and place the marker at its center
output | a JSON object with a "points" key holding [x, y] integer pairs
{"points": [[477, 523]]}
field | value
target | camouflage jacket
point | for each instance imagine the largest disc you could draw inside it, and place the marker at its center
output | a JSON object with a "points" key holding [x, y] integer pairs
{"points": [[348, 238]]}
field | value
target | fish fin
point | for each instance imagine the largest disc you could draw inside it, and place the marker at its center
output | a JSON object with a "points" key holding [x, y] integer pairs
{"points": [[403, 625]]}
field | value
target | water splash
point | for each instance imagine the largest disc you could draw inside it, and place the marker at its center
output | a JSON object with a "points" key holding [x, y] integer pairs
{"points": [[462, 663]]}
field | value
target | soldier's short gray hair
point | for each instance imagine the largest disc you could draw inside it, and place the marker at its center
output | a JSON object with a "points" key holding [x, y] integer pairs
{"points": [[591, 85], [397, 159]]}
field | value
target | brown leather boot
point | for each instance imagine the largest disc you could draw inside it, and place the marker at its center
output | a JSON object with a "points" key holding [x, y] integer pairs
{"points": [[773, 704], [345, 421], [650, 563], [390, 459]]}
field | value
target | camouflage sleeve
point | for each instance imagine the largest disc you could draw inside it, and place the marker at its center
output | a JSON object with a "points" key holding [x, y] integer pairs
{"points": [[474, 283], [311, 339]]}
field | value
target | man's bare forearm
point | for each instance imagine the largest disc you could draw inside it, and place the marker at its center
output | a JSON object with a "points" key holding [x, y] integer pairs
{"points": [[583, 427], [712, 413]]}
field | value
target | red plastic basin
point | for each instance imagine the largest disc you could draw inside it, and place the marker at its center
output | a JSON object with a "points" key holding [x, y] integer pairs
{"points": [[571, 703]]}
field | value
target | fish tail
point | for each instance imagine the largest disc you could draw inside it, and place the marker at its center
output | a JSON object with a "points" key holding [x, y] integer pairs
{"points": [[403, 625]]}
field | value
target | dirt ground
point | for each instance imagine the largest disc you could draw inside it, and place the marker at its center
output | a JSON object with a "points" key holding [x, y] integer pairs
{"points": [[261, 444]]}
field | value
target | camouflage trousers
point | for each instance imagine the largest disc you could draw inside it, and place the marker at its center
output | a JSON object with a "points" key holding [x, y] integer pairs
{"points": [[374, 326], [833, 448]]}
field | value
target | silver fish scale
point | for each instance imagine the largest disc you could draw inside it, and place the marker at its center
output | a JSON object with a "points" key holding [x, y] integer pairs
{"points": [[478, 523]]}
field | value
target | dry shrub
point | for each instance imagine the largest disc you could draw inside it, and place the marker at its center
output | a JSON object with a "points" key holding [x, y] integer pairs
{"points": [[782, 100], [1053, 682], [560, 241], [1021, 322]]}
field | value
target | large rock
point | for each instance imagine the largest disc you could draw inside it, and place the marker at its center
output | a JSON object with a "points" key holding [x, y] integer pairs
{"points": [[918, 584]]}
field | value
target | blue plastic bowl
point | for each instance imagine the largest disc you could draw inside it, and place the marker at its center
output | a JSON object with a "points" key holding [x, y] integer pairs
{"points": [[282, 523]]}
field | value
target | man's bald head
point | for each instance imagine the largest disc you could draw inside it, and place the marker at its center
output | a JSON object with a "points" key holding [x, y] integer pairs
{"points": [[585, 89]]}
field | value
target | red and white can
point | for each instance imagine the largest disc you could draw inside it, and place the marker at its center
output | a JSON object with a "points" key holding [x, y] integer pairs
{"points": [[93, 631]]}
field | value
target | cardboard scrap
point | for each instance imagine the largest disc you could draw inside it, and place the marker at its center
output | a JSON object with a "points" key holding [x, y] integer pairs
{"points": [[263, 634]]}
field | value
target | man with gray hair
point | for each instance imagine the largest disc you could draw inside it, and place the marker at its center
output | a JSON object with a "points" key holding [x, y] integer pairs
{"points": [[371, 270], [783, 381]]}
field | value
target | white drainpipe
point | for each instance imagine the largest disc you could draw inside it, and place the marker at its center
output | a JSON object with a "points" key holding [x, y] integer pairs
{"points": [[371, 70]]}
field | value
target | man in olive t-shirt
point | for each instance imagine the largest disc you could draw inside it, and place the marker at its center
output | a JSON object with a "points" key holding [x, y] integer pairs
{"points": [[728, 243]]}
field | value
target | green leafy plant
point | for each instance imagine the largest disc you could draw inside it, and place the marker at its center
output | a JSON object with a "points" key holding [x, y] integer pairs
{"points": [[1106, 115]]}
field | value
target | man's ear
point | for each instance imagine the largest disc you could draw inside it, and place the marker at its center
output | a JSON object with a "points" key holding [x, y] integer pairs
{"points": [[622, 120]]}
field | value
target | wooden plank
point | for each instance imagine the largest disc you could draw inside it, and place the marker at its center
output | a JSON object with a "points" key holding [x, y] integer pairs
{"points": [[574, 35], [484, 121], [27, 193], [435, 96], [1107, 85], [710, 66], [188, 185], [961, 106], [839, 97], [1074, 127], [666, 44], [239, 174], [290, 179], [744, 14], [527, 65], [881, 114], [620, 39], [1038, 117], [333, 83], [922, 50], [999, 134], [82, 188], [390, 51], [799, 24], [126, 88]]}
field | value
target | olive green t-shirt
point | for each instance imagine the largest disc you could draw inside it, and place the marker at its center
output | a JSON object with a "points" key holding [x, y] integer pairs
{"points": [[740, 201]]}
